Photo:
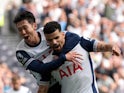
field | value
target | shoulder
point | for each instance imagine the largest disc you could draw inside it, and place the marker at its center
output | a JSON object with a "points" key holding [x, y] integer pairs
{"points": [[40, 30], [71, 41], [23, 46], [71, 35], [20, 45], [88, 44], [86, 40]]}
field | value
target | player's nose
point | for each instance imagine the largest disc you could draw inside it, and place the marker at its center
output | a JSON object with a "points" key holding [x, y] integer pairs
{"points": [[54, 41]]}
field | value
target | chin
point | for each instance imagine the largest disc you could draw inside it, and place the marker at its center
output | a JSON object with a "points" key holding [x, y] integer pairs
{"points": [[58, 50]]}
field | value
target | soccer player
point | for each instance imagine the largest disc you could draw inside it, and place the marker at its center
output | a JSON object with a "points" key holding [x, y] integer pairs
{"points": [[34, 50], [75, 78]]}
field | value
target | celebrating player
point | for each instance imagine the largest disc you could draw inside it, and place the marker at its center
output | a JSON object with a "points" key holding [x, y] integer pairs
{"points": [[75, 78], [33, 50]]}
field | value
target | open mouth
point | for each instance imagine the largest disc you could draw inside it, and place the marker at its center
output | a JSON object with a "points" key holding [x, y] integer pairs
{"points": [[26, 37], [56, 46]]}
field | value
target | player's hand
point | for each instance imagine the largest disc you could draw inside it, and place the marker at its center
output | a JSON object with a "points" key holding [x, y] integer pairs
{"points": [[116, 51], [42, 89], [74, 57]]}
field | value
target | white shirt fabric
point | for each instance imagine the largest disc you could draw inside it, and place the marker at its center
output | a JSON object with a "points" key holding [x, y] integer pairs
{"points": [[22, 89], [41, 52], [77, 78]]}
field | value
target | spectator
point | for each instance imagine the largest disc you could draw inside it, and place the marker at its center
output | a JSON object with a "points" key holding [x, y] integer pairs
{"points": [[11, 15], [6, 76], [17, 86]]}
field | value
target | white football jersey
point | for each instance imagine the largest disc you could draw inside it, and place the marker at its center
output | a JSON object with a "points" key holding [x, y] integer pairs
{"points": [[77, 78], [41, 52]]}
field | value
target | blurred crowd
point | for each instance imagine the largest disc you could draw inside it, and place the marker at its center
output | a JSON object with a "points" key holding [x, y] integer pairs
{"points": [[99, 19], [11, 82]]}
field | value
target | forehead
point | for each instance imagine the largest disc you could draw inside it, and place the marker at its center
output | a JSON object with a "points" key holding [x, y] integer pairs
{"points": [[21, 23], [53, 35]]}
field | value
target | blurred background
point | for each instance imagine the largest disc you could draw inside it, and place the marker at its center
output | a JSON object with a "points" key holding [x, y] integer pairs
{"points": [[99, 19]]}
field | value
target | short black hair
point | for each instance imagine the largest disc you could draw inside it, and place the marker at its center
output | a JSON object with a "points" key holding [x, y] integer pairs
{"points": [[51, 26], [26, 1], [24, 15]]}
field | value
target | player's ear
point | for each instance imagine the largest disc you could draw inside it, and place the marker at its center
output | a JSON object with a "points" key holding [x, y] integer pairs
{"points": [[63, 34], [35, 26]]}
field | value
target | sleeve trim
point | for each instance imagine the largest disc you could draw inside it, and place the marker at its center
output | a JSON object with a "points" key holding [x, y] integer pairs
{"points": [[28, 62], [43, 83], [95, 46]]}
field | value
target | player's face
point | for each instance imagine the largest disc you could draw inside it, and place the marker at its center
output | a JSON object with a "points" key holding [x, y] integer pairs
{"points": [[56, 40], [26, 30]]}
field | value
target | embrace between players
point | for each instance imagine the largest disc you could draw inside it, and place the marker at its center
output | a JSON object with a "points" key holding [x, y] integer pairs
{"points": [[59, 60]]}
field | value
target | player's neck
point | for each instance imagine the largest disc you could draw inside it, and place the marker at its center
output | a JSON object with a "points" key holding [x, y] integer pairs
{"points": [[36, 40]]}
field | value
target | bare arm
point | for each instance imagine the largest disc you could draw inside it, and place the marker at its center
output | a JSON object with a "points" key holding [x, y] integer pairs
{"points": [[43, 89], [103, 47]]}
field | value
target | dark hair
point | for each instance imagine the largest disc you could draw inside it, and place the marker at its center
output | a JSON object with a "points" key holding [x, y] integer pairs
{"points": [[26, 1], [24, 15], [50, 27]]}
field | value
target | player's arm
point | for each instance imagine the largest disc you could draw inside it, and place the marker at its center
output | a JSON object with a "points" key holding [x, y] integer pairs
{"points": [[104, 47], [43, 81], [92, 45], [43, 89], [40, 67]]}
